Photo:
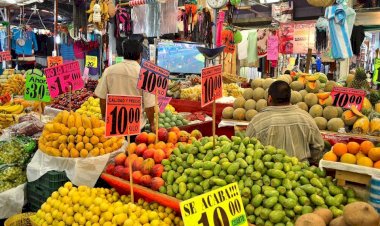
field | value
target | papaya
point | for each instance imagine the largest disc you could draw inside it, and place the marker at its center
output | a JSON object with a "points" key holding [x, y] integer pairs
{"points": [[361, 125]]}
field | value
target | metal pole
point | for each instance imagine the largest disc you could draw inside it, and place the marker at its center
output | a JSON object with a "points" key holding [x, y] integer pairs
{"points": [[55, 25]]}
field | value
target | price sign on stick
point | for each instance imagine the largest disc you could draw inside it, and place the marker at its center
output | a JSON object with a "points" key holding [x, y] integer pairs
{"points": [[222, 206], [153, 78], [92, 61], [347, 97], [54, 61], [5, 56], [60, 78], [123, 115], [163, 102], [211, 84], [36, 87]]}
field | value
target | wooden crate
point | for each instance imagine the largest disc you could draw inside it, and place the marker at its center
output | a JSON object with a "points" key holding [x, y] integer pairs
{"points": [[345, 176]]}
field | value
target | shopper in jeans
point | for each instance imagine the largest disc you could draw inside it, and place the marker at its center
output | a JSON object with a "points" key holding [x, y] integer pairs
{"points": [[287, 126], [122, 78]]}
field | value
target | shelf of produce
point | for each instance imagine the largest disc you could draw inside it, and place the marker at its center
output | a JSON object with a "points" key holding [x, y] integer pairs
{"points": [[334, 137], [123, 187], [350, 172]]}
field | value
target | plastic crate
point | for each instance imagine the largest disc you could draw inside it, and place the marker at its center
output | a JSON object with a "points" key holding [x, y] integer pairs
{"points": [[38, 191]]}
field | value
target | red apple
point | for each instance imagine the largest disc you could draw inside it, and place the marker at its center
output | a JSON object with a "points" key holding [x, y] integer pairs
{"points": [[137, 177], [156, 183], [159, 155], [142, 138], [125, 174], [157, 170], [131, 159], [118, 171], [110, 168], [168, 152], [146, 180], [137, 164], [162, 134], [120, 159], [148, 153], [140, 149]]}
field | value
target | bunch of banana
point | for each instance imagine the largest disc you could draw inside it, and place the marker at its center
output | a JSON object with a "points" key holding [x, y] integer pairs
{"points": [[15, 85], [174, 89], [232, 89], [12, 109], [192, 93]]}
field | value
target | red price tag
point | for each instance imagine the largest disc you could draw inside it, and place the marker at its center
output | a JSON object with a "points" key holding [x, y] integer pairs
{"points": [[61, 77], [153, 79], [54, 61], [5, 56], [163, 102], [123, 115], [347, 97], [211, 84]]}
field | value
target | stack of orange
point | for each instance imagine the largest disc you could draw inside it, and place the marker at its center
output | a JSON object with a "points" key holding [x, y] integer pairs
{"points": [[364, 154]]}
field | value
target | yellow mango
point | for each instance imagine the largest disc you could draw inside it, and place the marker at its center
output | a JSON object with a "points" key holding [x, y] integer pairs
{"points": [[65, 117], [367, 106], [78, 120], [49, 127], [71, 121], [361, 126], [86, 122], [377, 107]]}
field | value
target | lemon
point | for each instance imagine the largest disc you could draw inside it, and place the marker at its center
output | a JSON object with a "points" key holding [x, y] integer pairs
{"points": [[107, 216], [104, 207], [87, 215], [96, 211], [63, 191], [61, 223], [69, 220], [95, 219], [152, 215], [48, 218], [118, 210], [155, 223], [144, 218], [120, 218], [128, 222]]}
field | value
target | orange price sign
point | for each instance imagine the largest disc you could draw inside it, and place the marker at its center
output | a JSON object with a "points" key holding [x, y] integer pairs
{"points": [[54, 61], [5, 56], [212, 88], [347, 97], [123, 115], [153, 78]]}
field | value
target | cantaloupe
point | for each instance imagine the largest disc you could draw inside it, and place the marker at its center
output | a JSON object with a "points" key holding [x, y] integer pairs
{"points": [[303, 106], [267, 82], [248, 93], [239, 114], [340, 111], [326, 102], [250, 114], [250, 104], [258, 93], [330, 112], [258, 82], [239, 102], [325, 214], [297, 86], [316, 111], [330, 86], [321, 123], [339, 221], [266, 94], [295, 97], [284, 78], [313, 87], [311, 99], [349, 118], [261, 104], [228, 113], [360, 214], [310, 219], [335, 124]]}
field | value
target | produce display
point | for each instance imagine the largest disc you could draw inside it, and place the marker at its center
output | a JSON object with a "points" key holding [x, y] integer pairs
{"points": [[74, 135], [364, 154], [312, 94], [194, 93], [91, 107], [78, 97], [100, 206], [168, 119], [9, 114], [275, 188], [15, 84], [175, 87], [14, 156]]}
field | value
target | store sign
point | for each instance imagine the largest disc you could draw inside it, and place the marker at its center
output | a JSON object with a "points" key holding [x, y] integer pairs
{"points": [[36, 87], [123, 115], [153, 79], [54, 61], [5, 56], [347, 97], [63, 78], [222, 206], [297, 38], [212, 88], [91, 61], [163, 102], [119, 60]]}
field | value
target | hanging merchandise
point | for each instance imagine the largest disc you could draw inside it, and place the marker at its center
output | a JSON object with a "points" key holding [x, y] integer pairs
{"points": [[219, 28], [202, 32], [321, 37], [3, 37], [79, 18], [123, 22], [262, 41], [98, 13], [341, 20], [24, 41], [190, 11], [252, 47], [228, 40], [283, 11], [273, 46]]}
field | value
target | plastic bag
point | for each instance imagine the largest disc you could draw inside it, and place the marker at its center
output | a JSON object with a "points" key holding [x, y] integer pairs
{"points": [[11, 176], [12, 201]]}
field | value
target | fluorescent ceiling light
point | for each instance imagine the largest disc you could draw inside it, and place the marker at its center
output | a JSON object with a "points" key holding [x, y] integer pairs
{"points": [[268, 1]]}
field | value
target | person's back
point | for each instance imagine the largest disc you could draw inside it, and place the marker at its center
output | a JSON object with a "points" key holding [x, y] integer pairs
{"points": [[287, 126]]}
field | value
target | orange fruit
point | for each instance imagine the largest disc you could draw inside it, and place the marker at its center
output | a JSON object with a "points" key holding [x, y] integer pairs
{"points": [[160, 145], [377, 165], [132, 148], [83, 153], [151, 146], [366, 146], [348, 158], [353, 147], [330, 156], [74, 153], [374, 154], [360, 155], [340, 149], [365, 161]]}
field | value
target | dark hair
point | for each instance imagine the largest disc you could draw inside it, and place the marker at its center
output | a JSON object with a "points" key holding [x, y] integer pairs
{"points": [[287, 72], [132, 49], [280, 92]]}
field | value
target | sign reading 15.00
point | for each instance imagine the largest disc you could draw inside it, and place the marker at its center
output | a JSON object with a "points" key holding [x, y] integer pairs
{"points": [[153, 79], [211, 84], [123, 114], [35, 86], [222, 206]]}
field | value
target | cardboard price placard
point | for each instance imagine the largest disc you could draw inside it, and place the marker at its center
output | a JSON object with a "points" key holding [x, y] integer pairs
{"points": [[347, 97], [92, 61], [211, 84], [153, 79], [61, 77], [36, 87], [54, 61], [222, 206], [123, 115], [119, 60], [5, 56], [163, 102]]}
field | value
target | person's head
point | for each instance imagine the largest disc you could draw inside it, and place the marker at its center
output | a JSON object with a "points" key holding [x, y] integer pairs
{"points": [[132, 50], [287, 72], [279, 94]]}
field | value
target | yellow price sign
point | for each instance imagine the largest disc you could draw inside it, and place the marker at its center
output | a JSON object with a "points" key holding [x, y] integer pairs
{"points": [[222, 206], [92, 61]]}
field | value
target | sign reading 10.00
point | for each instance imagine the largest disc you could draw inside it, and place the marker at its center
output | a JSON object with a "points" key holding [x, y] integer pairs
{"points": [[211, 84], [347, 97], [153, 79], [36, 87]]}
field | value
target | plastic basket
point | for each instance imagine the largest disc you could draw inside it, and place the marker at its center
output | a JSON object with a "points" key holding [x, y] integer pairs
{"points": [[22, 219], [38, 191]]}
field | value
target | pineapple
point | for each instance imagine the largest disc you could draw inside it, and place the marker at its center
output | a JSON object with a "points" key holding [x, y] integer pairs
{"points": [[360, 81]]}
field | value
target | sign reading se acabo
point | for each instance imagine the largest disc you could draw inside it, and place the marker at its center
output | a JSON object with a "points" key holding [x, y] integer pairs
{"points": [[222, 206], [60, 78]]}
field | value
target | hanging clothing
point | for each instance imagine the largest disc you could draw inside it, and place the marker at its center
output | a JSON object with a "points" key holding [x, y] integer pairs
{"points": [[243, 45], [30, 42], [45, 45], [252, 47], [341, 20], [3, 40], [357, 39], [67, 51], [273, 44]]}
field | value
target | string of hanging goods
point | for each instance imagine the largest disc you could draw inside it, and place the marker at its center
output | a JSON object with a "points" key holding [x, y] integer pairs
{"points": [[137, 2]]}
